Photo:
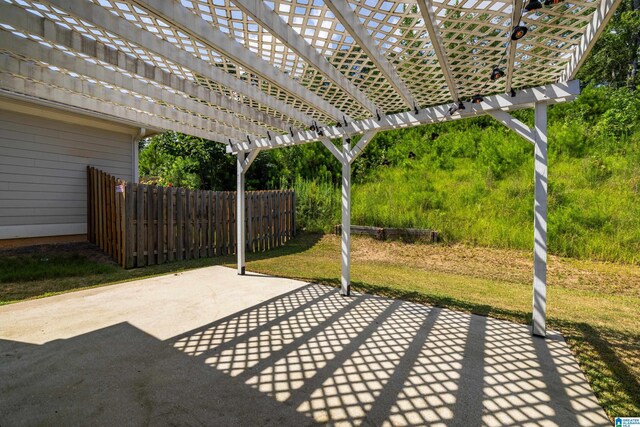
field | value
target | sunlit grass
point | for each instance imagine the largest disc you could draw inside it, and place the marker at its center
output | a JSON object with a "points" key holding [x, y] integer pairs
{"points": [[602, 328]]}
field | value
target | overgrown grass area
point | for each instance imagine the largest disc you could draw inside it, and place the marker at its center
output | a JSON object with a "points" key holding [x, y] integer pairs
{"points": [[593, 304], [317, 205], [586, 220]]}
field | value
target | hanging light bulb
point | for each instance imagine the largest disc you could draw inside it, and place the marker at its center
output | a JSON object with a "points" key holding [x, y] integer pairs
{"points": [[496, 73], [533, 5], [519, 32], [476, 99]]}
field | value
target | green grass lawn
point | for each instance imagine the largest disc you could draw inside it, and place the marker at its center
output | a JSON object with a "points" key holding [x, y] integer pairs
{"points": [[594, 305]]}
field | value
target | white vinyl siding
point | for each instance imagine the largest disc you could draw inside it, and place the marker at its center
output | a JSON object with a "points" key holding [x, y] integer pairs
{"points": [[43, 176]]}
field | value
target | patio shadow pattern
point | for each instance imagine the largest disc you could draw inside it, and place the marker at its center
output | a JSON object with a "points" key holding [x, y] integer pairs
{"points": [[308, 356]]}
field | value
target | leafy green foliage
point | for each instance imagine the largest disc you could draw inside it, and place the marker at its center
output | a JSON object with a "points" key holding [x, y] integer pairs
{"points": [[317, 205], [614, 58], [186, 161]]}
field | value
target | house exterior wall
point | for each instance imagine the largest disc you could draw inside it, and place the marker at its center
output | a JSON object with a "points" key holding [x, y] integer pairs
{"points": [[43, 167]]}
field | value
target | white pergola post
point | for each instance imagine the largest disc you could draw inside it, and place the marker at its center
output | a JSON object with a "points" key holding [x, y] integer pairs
{"points": [[345, 277], [346, 157], [240, 215], [243, 163], [540, 222]]}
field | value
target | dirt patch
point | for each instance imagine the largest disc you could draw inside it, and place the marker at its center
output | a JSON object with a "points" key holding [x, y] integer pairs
{"points": [[500, 264]]}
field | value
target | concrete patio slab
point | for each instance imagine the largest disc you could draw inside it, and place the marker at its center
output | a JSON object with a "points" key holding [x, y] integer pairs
{"points": [[207, 347]]}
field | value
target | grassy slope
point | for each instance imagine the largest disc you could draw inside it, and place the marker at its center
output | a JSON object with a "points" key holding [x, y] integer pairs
{"points": [[586, 220]]}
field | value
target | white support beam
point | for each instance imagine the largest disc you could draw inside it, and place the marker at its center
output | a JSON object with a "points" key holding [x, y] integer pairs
{"points": [[345, 276], [38, 52], [347, 17], [248, 161], [592, 32], [33, 71], [514, 124], [270, 20], [19, 88], [361, 145], [76, 42], [550, 94], [426, 8], [243, 163], [540, 223], [241, 227], [333, 149], [179, 17], [101, 17], [516, 13]]}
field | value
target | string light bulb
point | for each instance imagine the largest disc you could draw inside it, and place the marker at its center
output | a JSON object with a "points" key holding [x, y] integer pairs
{"points": [[533, 5], [519, 32], [496, 73]]}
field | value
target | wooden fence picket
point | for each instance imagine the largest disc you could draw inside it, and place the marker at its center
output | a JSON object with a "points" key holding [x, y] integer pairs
{"points": [[129, 233], [139, 225], [180, 223], [170, 228]]}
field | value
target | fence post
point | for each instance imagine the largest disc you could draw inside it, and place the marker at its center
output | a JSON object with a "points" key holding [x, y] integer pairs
{"points": [[170, 232], [161, 229], [111, 231], [117, 220], [140, 225], [211, 227], [150, 226], [179, 224], [293, 212], [196, 223], [128, 227]]}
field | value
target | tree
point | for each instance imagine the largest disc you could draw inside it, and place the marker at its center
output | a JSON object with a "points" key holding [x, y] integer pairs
{"points": [[158, 164], [614, 59]]}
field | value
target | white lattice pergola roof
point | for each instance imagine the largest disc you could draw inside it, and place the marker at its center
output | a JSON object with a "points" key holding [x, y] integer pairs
{"points": [[257, 74], [250, 69]]}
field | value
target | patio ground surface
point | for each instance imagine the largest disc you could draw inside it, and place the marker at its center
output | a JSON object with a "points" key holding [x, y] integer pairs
{"points": [[207, 347]]}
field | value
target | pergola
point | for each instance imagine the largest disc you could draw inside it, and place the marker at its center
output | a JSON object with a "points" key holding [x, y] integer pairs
{"points": [[257, 75]]}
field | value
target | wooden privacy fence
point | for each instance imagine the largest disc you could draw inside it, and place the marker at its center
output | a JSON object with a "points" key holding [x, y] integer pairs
{"points": [[140, 225]]}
